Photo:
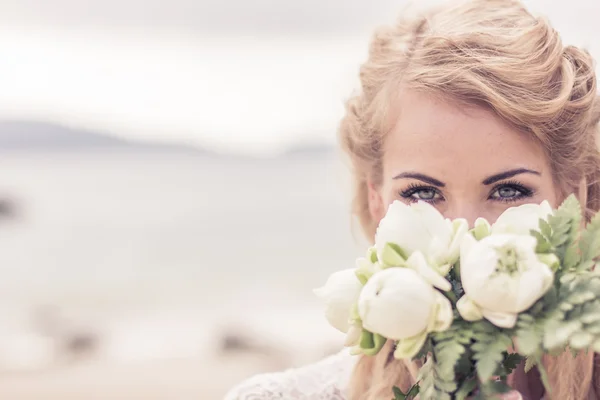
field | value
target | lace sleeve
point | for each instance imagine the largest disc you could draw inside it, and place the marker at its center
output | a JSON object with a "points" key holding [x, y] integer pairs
{"points": [[324, 380]]}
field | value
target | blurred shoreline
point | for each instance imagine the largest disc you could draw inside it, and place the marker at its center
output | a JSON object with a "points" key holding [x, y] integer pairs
{"points": [[149, 275]]}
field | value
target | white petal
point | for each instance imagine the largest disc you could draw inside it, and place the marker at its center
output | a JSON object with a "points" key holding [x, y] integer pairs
{"points": [[418, 263], [522, 219], [466, 246], [500, 319], [460, 229], [481, 229], [402, 226], [533, 284], [339, 294], [353, 335], [444, 315], [498, 293], [468, 310], [396, 303], [434, 221], [478, 262]]}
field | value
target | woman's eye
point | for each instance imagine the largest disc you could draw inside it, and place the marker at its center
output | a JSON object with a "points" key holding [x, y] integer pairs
{"points": [[425, 194], [421, 194], [506, 193]]}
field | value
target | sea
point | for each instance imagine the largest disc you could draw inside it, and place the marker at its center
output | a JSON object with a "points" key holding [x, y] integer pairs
{"points": [[162, 254]]}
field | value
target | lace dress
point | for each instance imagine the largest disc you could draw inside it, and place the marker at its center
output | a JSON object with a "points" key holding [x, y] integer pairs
{"points": [[324, 380]]}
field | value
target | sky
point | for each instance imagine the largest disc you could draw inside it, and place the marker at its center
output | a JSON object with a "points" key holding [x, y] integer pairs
{"points": [[251, 76]]}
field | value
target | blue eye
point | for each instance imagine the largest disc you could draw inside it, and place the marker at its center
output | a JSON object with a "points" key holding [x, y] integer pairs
{"points": [[425, 194], [512, 191], [506, 192], [421, 193]]}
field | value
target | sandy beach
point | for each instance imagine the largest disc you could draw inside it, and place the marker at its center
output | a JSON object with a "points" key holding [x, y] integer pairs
{"points": [[206, 377], [183, 379]]}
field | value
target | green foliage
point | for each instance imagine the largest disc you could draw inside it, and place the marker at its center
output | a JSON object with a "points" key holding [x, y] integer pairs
{"points": [[530, 362], [428, 380], [371, 343], [465, 357], [543, 242], [565, 224], [590, 240], [489, 350], [465, 389], [510, 363], [411, 394]]}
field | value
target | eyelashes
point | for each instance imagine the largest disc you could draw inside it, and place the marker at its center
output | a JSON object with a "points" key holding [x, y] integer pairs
{"points": [[505, 192], [416, 192], [516, 188]]}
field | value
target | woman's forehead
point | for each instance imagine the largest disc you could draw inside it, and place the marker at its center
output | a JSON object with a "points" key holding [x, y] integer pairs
{"points": [[434, 135]]}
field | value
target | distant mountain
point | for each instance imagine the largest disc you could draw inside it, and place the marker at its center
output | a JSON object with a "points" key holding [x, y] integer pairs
{"points": [[309, 149], [32, 135]]}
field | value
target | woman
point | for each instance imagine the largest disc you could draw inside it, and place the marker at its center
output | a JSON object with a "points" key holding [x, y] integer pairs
{"points": [[474, 107]]}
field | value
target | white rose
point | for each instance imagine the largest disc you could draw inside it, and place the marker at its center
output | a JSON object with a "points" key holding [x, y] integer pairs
{"points": [[522, 220], [399, 304], [340, 293], [419, 227], [501, 276]]}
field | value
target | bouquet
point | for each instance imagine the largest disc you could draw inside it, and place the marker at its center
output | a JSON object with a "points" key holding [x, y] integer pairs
{"points": [[472, 304]]}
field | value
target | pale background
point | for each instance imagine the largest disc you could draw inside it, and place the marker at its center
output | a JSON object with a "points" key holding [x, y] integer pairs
{"points": [[169, 188]]}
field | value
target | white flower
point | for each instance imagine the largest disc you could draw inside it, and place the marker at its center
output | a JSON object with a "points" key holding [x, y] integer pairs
{"points": [[522, 220], [367, 266], [340, 294], [419, 264], [399, 304], [501, 276], [419, 227]]}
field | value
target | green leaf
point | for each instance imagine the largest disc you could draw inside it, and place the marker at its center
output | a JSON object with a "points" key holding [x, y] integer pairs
{"points": [[511, 361], [465, 390], [372, 255], [530, 363], [543, 244], [489, 354], [362, 275], [392, 255], [529, 340], [593, 329], [413, 392], [447, 356], [590, 240], [427, 379], [371, 343], [426, 349], [591, 312], [545, 228], [581, 340], [586, 266], [543, 376], [560, 335], [565, 224], [571, 258], [493, 388], [398, 395]]}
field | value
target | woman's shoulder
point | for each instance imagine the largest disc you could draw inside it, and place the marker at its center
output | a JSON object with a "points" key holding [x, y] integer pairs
{"points": [[325, 379]]}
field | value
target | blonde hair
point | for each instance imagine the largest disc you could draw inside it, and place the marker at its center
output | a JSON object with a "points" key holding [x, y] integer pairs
{"points": [[495, 54]]}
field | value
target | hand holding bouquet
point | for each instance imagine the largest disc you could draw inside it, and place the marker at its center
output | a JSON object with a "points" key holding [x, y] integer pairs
{"points": [[459, 299]]}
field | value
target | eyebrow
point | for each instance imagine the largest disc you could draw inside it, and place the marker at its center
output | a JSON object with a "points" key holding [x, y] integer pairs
{"points": [[508, 174], [420, 177]]}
